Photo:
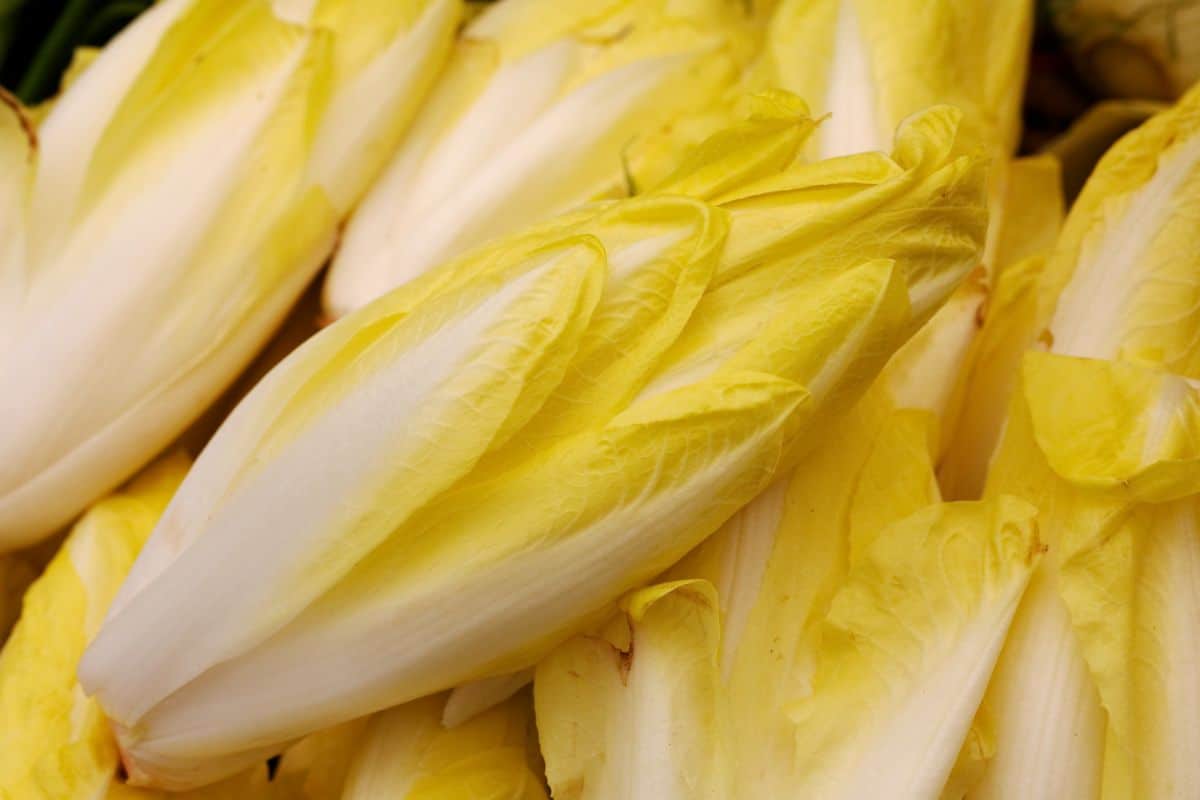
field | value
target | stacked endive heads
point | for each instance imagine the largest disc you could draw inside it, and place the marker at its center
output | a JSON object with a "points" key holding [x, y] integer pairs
{"points": [[1091, 694], [446, 484], [162, 218], [541, 108]]}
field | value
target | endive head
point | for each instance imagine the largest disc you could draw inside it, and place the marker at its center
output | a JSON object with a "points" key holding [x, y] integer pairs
{"points": [[54, 742], [871, 63], [1140, 422], [534, 115], [1124, 281], [187, 185]]}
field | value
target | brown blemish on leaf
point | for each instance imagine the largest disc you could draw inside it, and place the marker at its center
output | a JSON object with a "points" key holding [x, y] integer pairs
{"points": [[625, 663], [1036, 547], [26, 124]]}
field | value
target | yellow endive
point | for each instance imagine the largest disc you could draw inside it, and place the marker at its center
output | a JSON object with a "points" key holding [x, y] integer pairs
{"points": [[1121, 285], [637, 713], [521, 436], [54, 741], [907, 648], [540, 109], [187, 185], [871, 63]]}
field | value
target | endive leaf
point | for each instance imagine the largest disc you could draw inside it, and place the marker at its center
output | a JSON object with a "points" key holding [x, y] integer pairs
{"points": [[767, 141], [1142, 425], [642, 718], [473, 698], [1133, 597], [407, 755], [54, 742], [908, 647], [923, 207], [662, 253], [1031, 211], [1123, 282], [380, 75], [929, 371], [68, 136], [827, 338], [539, 103]]}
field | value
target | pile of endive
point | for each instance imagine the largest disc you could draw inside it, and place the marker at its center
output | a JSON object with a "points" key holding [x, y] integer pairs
{"points": [[703, 403]]}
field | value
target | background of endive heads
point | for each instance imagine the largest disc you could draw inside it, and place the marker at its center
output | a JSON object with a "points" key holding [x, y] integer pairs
{"points": [[674, 328]]}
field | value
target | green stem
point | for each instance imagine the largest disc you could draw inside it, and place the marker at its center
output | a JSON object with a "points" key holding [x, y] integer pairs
{"points": [[8, 23], [42, 77]]}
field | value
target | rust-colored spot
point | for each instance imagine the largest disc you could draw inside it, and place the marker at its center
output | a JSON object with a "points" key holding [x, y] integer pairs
{"points": [[1046, 338]]}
